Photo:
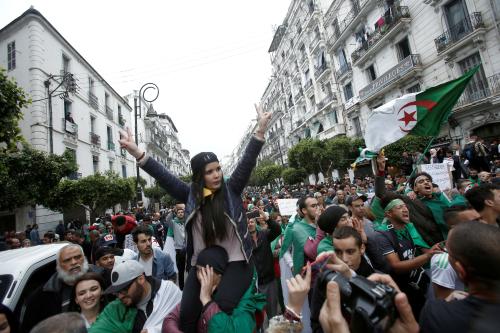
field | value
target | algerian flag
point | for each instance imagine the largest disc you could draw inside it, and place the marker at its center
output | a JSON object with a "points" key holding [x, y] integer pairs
{"points": [[420, 113]]}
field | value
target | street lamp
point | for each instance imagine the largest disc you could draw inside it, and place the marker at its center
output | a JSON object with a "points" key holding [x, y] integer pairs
{"points": [[137, 111]]}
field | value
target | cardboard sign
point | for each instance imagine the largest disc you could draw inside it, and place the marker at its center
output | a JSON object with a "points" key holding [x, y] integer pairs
{"points": [[287, 207], [440, 174]]}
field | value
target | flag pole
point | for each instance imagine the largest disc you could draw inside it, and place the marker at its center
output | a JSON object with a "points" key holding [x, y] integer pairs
{"points": [[422, 156]]}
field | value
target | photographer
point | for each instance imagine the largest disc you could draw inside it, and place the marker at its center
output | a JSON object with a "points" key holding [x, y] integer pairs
{"points": [[332, 320], [474, 253]]}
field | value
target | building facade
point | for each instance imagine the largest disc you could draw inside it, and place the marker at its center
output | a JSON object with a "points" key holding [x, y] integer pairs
{"points": [[158, 136], [334, 61], [384, 49], [85, 121]]}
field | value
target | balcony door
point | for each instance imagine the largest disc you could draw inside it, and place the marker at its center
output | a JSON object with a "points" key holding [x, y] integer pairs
{"points": [[478, 85], [458, 19]]}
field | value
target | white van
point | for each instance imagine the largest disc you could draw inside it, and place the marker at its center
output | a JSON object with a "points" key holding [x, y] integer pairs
{"points": [[23, 270]]}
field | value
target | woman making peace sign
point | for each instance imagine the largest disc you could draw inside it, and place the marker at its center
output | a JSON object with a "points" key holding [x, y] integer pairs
{"points": [[215, 216]]}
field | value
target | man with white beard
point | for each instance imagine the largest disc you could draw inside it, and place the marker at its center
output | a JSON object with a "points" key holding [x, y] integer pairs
{"points": [[54, 296]]}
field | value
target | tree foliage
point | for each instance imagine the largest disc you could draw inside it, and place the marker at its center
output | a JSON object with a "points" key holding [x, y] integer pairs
{"points": [[323, 156], [96, 193], [293, 176], [27, 175], [12, 100], [409, 143], [267, 174], [155, 193]]}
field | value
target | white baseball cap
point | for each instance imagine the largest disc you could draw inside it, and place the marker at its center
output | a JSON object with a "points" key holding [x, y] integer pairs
{"points": [[123, 275]]}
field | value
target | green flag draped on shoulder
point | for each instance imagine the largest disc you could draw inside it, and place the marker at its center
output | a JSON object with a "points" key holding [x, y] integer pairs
{"points": [[420, 113]]}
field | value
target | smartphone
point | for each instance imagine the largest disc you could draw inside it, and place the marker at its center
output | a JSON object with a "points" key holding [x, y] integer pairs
{"points": [[253, 215]]}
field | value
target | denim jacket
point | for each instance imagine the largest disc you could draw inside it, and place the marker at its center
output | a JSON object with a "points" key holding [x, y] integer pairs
{"points": [[233, 188], [163, 265]]}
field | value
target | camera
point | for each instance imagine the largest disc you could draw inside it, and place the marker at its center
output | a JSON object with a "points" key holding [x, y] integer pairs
{"points": [[367, 306]]}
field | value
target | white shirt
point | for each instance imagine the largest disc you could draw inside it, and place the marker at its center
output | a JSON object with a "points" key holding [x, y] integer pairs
{"points": [[443, 273], [148, 265]]}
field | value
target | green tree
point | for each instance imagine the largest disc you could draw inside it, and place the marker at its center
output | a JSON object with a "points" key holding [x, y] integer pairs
{"points": [[293, 176], [310, 155], [96, 193], [28, 175], [155, 193], [267, 174], [12, 100], [342, 151], [409, 143]]}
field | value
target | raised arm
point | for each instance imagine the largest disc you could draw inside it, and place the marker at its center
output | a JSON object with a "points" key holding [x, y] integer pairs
{"points": [[241, 174], [173, 185]]}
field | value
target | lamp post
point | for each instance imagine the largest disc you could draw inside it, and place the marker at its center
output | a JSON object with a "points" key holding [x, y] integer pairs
{"points": [[137, 111]]}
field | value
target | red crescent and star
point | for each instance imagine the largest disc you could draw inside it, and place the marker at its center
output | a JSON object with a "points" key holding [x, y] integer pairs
{"points": [[409, 116]]}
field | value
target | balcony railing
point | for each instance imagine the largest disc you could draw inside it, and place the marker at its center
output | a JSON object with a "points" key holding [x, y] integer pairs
{"points": [[325, 101], [111, 146], [479, 90], [123, 152], [390, 21], [109, 113], [320, 70], [93, 101], [70, 127], [95, 139], [390, 76], [121, 120], [75, 175], [343, 70], [340, 27], [459, 31]]}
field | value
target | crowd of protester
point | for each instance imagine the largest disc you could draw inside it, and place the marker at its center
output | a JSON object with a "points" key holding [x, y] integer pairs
{"points": [[372, 253]]}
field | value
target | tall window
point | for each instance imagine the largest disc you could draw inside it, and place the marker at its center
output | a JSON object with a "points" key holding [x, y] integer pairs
{"points": [[110, 135], [357, 126], [403, 48], [72, 153], [92, 124], [348, 94], [124, 171], [370, 71], [342, 58], [95, 163], [65, 64], [11, 56], [458, 19], [67, 111], [111, 166], [478, 85]]}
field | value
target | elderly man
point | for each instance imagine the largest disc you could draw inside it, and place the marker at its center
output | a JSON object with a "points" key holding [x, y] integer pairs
{"points": [[54, 296]]}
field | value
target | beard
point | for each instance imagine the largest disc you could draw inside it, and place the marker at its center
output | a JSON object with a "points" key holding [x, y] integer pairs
{"points": [[69, 278]]}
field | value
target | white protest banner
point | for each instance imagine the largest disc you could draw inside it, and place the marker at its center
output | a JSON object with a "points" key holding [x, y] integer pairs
{"points": [[287, 207], [440, 174]]}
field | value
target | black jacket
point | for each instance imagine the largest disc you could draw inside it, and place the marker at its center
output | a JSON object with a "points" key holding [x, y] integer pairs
{"points": [[46, 301], [262, 254], [420, 215]]}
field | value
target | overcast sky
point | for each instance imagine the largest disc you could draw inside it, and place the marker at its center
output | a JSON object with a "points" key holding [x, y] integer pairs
{"points": [[209, 58]]}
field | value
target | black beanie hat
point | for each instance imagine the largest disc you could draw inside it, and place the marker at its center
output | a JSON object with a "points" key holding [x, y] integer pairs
{"points": [[199, 161], [105, 250], [329, 219], [215, 257]]}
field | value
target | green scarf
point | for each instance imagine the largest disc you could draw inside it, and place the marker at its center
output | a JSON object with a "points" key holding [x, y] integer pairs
{"points": [[437, 204], [409, 232]]}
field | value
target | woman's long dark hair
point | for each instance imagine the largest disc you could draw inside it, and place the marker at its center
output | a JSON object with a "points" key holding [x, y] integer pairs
{"points": [[214, 225]]}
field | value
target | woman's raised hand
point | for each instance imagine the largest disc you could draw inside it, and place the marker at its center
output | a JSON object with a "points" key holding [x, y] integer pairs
{"points": [[263, 119], [127, 141]]}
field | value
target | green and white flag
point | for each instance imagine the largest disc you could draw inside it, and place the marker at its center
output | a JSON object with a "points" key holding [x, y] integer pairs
{"points": [[420, 113]]}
